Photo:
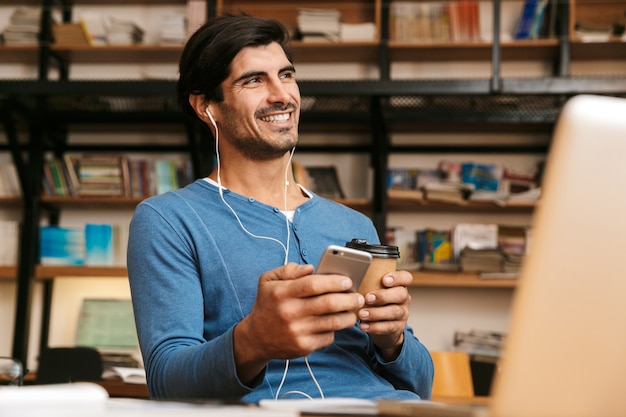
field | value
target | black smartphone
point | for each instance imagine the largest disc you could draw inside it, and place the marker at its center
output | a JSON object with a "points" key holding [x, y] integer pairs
{"points": [[345, 261]]}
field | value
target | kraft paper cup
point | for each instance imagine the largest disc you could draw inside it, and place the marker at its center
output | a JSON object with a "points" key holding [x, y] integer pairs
{"points": [[384, 260]]}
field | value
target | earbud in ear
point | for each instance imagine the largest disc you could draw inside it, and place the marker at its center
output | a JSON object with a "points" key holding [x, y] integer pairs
{"points": [[208, 113]]}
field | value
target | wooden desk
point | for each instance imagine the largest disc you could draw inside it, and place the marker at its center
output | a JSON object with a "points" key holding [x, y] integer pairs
{"points": [[114, 386], [118, 388]]}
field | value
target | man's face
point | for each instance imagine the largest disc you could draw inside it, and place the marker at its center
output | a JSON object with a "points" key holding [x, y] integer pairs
{"points": [[261, 107]]}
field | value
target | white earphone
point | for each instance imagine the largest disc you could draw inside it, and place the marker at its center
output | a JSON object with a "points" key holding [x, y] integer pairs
{"points": [[208, 113], [284, 246]]}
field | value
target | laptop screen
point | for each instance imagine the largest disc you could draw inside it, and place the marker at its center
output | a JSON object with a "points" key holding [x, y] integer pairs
{"points": [[107, 325]]}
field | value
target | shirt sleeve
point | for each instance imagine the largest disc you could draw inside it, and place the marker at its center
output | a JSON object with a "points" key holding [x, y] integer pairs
{"points": [[413, 368], [168, 305]]}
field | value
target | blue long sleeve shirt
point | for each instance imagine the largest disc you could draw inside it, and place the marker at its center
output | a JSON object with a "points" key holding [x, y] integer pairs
{"points": [[194, 272]]}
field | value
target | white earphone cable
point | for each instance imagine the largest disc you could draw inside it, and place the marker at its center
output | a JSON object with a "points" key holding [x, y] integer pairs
{"points": [[285, 248]]}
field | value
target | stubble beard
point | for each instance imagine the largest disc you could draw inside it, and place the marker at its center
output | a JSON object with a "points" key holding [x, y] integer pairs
{"points": [[268, 146], [263, 149]]}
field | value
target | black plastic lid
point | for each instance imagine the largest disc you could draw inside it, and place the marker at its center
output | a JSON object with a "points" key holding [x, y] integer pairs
{"points": [[378, 251]]}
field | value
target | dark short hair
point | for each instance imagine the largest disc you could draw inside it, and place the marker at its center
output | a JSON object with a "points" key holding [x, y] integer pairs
{"points": [[206, 58]]}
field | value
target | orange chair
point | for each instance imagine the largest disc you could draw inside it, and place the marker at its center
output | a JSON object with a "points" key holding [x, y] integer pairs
{"points": [[453, 375]]}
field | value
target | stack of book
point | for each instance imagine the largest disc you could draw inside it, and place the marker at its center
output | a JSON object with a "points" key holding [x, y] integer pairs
{"points": [[173, 30], [23, 27], [101, 175], [408, 183], [324, 181], [357, 32], [319, 24], [93, 26], [61, 246], [196, 15], [432, 21], [95, 244], [481, 260], [480, 342], [9, 182], [447, 191], [123, 32], [475, 236], [9, 230], [112, 175]]}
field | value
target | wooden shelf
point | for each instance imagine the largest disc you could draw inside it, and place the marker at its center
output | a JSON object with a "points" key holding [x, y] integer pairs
{"points": [[19, 54], [126, 2], [361, 204], [10, 201], [612, 50], [420, 278], [459, 280], [407, 205], [45, 272], [8, 272], [363, 52], [536, 49], [136, 54], [121, 202]]}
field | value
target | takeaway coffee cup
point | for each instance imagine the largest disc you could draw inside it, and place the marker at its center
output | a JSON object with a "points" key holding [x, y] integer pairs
{"points": [[384, 259]]}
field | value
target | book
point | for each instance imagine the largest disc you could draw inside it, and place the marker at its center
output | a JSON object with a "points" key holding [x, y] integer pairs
{"points": [[101, 174], [129, 375], [525, 22], [540, 12], [69, 34], [93, 26], [404, 239], [61, 245], [196, 15], [474, 236], [357, 31], [23, 27], [484, 177], [453, 192], [433, 246], [481, 260], [323, 23], [9, 181], [9, 230], [324, 181], [99, 244]]}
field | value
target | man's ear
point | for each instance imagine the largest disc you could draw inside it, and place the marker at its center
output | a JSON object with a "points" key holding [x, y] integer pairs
{"points": [[198, 103]]}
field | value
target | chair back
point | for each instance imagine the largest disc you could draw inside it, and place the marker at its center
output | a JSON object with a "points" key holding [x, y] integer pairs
{"points": [[453, 375], [69, 364]]}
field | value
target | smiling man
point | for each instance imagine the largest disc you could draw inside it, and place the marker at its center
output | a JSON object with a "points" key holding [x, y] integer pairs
{"points": [[226, 301]]}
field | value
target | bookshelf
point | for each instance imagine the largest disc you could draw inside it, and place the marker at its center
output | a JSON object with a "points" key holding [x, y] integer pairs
{"points": [[420, 279], [377, 114], [459, 280]]}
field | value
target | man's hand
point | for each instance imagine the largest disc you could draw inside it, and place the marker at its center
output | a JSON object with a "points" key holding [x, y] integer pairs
{"points": [[295, 313], [386, 312]]}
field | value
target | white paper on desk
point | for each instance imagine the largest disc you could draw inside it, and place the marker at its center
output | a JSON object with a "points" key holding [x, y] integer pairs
{"points": [[323, 405], [53, 394], [128, 375], [130, 407]]}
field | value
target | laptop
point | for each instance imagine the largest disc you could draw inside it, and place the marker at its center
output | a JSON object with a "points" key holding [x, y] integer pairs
{"points": [[108, 325], [566, 350]]}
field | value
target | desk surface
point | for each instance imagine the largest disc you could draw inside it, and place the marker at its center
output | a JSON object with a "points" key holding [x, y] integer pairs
{"points": [[84, 399], [114, 386]]}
